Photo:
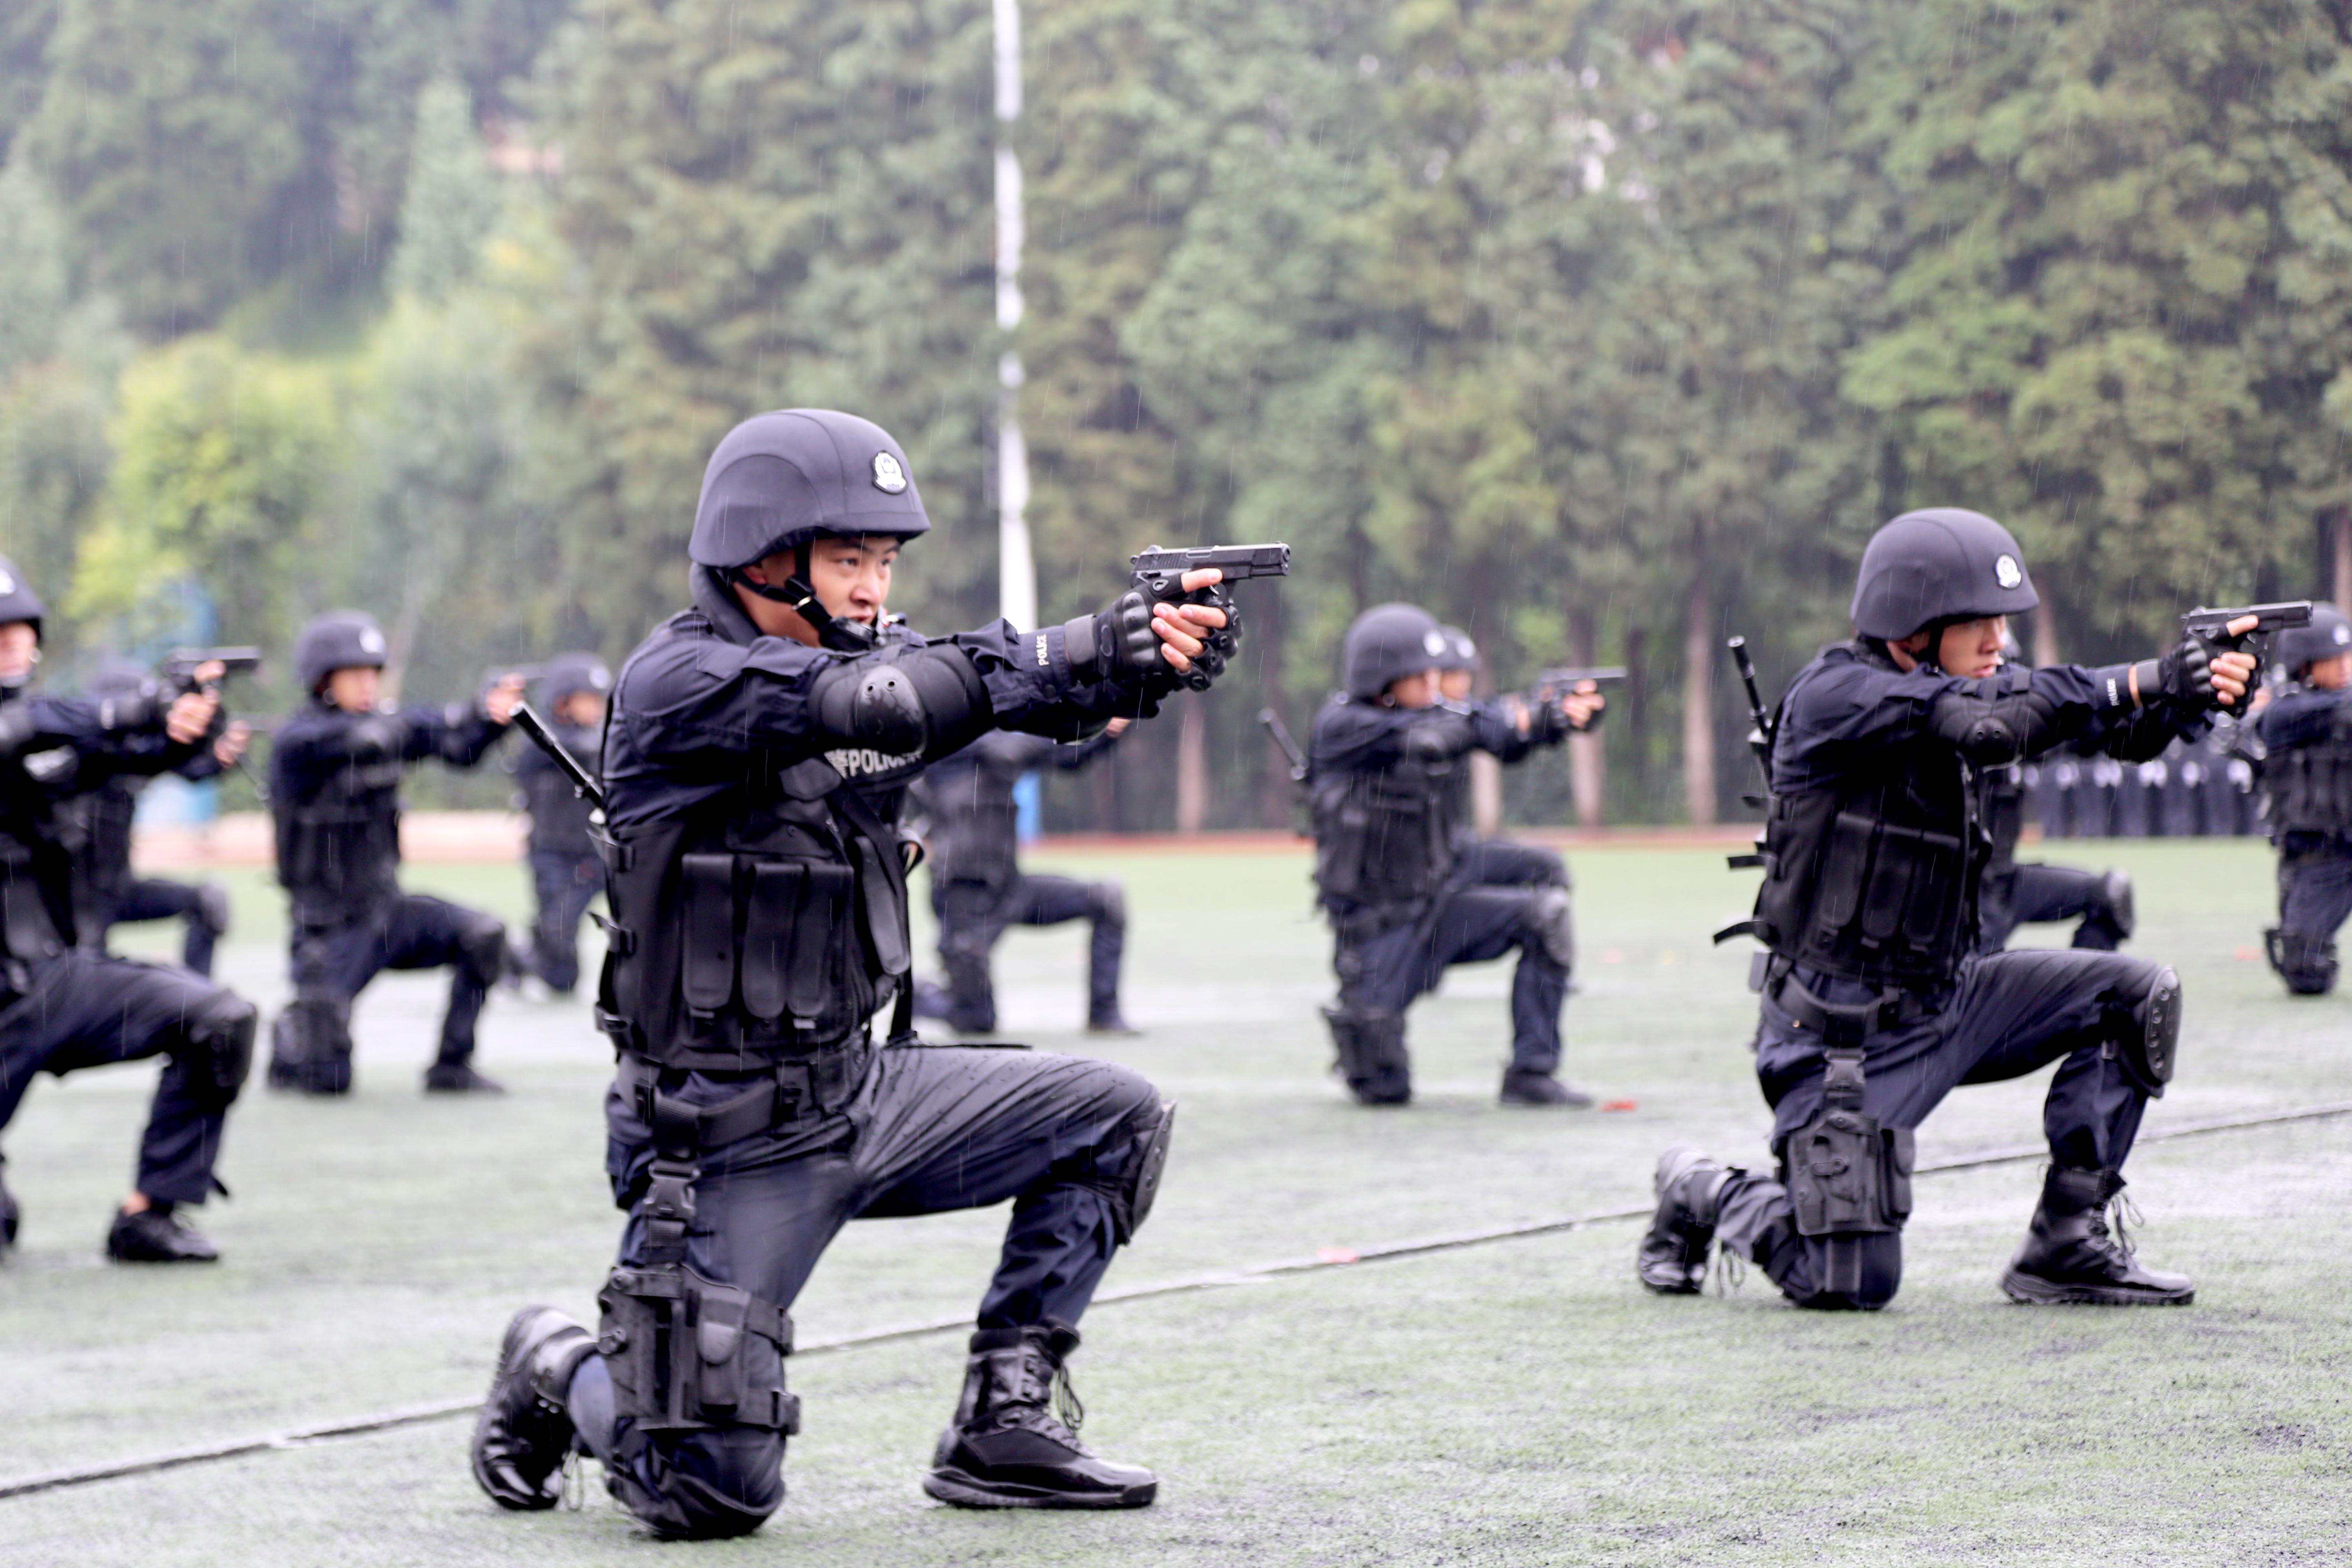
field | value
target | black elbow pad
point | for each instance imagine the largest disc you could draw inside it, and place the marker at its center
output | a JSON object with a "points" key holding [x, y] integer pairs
{"points": [[928, 701], [1993, 733]]}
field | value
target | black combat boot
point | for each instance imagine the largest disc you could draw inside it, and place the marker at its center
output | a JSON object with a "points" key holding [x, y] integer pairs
{"points": [[1673, 1257], [524, 1432], [460, 1078], [2305, 964], [156, 1234], [2070, 1256], [1372, 1056], [9, 1215], [1014, 1441], [1525, 1086]]}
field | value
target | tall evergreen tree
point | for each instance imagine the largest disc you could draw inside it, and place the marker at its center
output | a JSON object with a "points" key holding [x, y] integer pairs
{"points": [[452, 200]]}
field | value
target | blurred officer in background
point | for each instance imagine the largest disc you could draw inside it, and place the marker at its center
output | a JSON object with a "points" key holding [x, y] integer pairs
{"points": [[2306, 778], [112, 893], [978, 888], [64, 1008], [1381, 787], [334, 792], [2032, 894], [565, 874]]}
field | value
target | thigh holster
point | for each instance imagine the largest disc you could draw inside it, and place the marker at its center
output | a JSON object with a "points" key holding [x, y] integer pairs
{"points": [[1846, 1174], [688, 1354]]}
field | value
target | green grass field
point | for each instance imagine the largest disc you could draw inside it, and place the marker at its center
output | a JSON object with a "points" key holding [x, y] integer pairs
{"points": [[1516, 1402]]}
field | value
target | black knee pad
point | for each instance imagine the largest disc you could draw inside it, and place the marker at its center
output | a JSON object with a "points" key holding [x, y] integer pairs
{"points": [[1106, 903], [1552, 921], [1141, 1147], [2115, 902], [211, 912], [688, 1354], [482, 940], [2145, 1036], [219, 1036]]}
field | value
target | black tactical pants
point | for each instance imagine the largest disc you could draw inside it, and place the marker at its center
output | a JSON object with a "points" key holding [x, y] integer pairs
{"points": [[2314, 878], [2012, 1013], [84, 1011], [1382, 972], [2037, 894], [973, 915], [931, 1129], [333, 964], [566, 886], [1500, 863], [154, 898]]}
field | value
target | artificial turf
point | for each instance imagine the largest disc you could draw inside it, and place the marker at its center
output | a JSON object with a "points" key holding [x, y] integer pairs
{"points": [[1517, 1402]]}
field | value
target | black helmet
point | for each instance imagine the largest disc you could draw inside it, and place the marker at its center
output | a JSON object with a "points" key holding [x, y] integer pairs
{"points": [[1461, 653], [339, 639], [568, 674], [1941, 564], [2328, 634], [1386, 643], [18, 600], [780, 479]]}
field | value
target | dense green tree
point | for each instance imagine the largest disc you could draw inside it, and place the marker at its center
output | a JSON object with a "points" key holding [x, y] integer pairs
{"points": [[2122, 292], [768, 208], [223, 459], [452, 200]]}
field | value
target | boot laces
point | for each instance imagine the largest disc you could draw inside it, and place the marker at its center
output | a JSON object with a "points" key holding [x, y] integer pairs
{"points": [[1067, 1409], [2113, 1223], [1731, 1272], [575, 1491]]}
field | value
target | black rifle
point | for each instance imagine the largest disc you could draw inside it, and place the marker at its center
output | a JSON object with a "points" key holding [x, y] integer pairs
{"points": [[584, 785], [1759, 719], [1159, 574], [1760, 742], [1281, 733], [180, 666]]}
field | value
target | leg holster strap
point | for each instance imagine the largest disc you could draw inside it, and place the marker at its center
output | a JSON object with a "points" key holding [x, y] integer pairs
{"points": [[1846, 1174], [686, 1353]]}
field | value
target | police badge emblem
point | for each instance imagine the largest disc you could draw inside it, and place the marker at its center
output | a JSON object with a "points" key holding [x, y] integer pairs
{"points": [[888, 477], [2007, 572]]}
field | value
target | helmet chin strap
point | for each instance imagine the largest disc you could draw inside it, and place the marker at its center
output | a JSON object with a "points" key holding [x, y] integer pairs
{"points": [[832, 631]]}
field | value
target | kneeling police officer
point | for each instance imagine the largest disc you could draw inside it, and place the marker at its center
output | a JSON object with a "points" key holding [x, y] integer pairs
{"points": [[978, 888], [565, 874], [113, 892], [1381, 771], [755, 765], [64, 1008], [1876, 1002], [334, 791], [2306, 732]]}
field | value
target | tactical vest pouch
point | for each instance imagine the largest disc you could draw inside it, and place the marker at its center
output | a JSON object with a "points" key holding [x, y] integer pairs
{"points": [[706, 913], [25, 924], [688, 1354], [1862, 897]]}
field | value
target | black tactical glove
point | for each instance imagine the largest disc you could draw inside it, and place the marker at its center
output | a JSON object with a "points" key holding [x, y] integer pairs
{"points": [[2185, 675], [1126, 651]]}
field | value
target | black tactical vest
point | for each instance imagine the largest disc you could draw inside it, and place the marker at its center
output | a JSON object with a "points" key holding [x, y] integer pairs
{"points": [[1875, 876], [2002, 809], [757, 930], [37, 845], [342, 848], [1384, 836], [103, 863], [2308, 788]]}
